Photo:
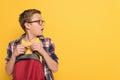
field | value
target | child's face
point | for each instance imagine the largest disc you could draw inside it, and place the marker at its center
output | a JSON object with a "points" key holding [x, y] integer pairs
{"points": [[36, 25]]}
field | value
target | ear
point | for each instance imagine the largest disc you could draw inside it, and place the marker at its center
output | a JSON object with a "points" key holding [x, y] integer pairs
{"points": [[27, 25]]}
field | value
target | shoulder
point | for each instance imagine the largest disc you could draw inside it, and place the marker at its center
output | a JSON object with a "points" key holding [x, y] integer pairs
{"points": [[13, 42], [48, 41], [16, 41]]}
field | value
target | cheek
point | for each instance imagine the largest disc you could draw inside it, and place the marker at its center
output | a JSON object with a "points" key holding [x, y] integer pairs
{"points": [[35, 29], [38, 31]]}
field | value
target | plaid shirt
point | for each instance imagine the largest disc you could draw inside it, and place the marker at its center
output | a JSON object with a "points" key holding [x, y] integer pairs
{"points": [[48, 45]]}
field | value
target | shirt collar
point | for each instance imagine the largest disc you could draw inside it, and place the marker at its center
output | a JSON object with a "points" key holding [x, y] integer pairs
{"points": [[18, 41]]}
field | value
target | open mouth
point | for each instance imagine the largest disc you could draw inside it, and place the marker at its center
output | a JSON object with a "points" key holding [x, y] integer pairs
{"points": [[42, 29]]}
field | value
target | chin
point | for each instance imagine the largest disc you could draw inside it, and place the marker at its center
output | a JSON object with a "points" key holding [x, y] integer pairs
{"points": [[39, 34]]}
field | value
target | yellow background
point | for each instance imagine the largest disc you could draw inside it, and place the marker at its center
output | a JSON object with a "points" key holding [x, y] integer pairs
{"points": [[86, 34]]}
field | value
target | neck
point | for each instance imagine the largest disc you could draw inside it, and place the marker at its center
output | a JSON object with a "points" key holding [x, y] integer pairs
{"points": [[29, 38]]}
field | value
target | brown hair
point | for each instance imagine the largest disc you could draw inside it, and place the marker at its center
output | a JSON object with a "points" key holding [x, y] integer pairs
{"points": [[26, 16]]}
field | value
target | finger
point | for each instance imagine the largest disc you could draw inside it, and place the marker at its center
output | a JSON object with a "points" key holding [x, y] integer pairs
{"points": [[35, 44], [33, 48], [22, 49], [22, 46], [22, 52]]}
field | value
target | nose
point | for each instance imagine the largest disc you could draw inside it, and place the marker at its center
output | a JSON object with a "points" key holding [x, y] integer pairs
{"points": [[42, 26]]}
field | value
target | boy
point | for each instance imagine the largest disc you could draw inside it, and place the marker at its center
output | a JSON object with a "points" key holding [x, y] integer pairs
{"points": [[31, 57]]}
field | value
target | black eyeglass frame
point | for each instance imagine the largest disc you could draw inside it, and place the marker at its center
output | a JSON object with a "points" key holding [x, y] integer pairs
{"points": [[38, 21]]}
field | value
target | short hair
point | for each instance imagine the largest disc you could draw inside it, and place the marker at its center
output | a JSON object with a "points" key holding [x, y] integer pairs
{"points": [[26, 15]]}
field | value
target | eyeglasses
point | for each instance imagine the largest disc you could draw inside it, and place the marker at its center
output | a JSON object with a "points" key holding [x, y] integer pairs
{"points": [[40, 22]]}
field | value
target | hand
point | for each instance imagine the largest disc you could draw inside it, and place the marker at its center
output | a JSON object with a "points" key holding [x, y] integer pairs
{"points": [[20, 49], [37, 47]]}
